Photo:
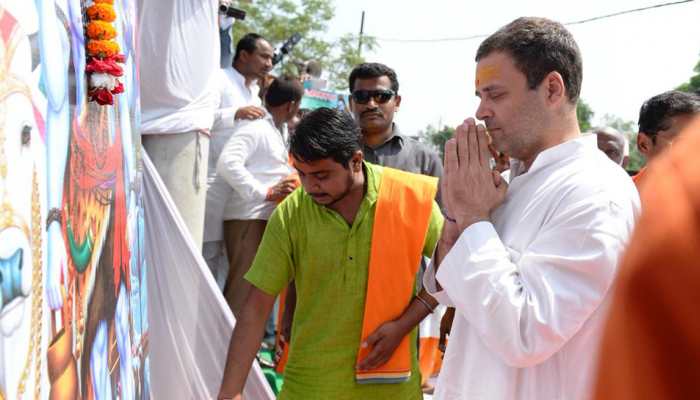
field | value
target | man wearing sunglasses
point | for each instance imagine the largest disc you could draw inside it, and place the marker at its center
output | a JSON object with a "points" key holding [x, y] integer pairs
{"points": [[374, 101]]}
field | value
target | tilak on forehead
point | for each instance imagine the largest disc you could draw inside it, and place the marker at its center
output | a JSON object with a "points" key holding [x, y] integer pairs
{"points": [[485, 73]]}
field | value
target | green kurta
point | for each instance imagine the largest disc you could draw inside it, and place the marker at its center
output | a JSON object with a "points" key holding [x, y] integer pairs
{"points": [[328, 260]]}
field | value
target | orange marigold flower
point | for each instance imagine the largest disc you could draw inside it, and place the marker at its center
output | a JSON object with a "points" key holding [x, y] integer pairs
{"points": [[100, 30], [104, 1], [102, 48], [102, 12]]}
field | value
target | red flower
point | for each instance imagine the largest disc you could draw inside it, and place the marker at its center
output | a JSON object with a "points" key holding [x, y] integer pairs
{"points": [[106, 65], [118, 89], [120, 58], [102, 96]]}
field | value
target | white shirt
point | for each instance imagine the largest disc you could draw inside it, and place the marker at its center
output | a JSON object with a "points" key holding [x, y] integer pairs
{"points": [[177, 92], [529, 287], [234, 94], [253, 160]]}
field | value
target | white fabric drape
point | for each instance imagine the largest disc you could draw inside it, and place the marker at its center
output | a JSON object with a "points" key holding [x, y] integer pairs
{"points": [[190, 322]]}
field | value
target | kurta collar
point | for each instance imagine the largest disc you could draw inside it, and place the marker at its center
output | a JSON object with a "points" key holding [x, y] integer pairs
{"points": [[240, 80], [554, 154]]}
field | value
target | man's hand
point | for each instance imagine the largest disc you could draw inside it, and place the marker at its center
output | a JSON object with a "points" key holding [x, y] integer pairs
{"points": [[249, 112], [383, 343], [281, 189], [245, 342], [473, 190], [446, 328]]}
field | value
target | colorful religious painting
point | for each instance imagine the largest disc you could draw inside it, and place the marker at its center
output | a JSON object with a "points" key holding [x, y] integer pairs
{"points": [[73, 319]]}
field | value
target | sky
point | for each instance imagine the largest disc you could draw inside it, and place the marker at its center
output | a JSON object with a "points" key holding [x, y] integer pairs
{"points": [[626, 59]]}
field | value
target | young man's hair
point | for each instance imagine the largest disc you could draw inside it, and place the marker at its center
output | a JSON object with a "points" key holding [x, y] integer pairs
{"points": [[370, 71], [656, 113], [248, 43], [539, 46], [283, 90], [326, 133]]}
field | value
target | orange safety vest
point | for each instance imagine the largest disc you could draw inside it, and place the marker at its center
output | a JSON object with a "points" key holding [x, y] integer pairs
{"points": [[402, 216]]}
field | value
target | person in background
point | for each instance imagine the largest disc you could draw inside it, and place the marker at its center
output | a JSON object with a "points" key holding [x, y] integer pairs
{"points": [[179, 99], [238, 92], [254, 163], [612, 143], [661, 119], [374, 101]]}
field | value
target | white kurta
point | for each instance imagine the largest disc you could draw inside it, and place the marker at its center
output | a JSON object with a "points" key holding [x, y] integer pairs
{"points": [[253, 160], [234, 95], [177, 93], [528, 288]]}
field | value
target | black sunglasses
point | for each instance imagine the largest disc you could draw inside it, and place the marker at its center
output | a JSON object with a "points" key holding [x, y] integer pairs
{"points": [[379, 96]]}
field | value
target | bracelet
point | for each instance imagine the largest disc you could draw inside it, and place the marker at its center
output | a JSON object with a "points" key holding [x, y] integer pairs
{"points": [[54, 215], [425, 303]]}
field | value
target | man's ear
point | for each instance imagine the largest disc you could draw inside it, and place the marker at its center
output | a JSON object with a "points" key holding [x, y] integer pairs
{"points": [[645, 144], [554, 88], [356, 161], [397, 101]]}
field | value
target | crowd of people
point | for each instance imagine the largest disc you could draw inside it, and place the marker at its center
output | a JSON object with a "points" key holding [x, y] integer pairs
{"points": [[511, 246]]}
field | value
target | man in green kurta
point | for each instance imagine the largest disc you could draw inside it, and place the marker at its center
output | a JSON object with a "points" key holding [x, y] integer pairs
{"points": [[320, 237]]}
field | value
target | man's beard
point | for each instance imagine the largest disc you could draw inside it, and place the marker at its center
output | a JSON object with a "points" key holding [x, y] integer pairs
{"points": [[344, 194]]}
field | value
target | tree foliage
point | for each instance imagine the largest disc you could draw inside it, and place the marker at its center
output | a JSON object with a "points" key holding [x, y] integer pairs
{"points": [[347, 57], [437, 137], [693, 84], [277, 20], [584, 113]]}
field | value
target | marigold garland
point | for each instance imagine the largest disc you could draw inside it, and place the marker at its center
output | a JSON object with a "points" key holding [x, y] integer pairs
{"points": [[100, 30], [102, 48], [104, 65], [102, 12]]}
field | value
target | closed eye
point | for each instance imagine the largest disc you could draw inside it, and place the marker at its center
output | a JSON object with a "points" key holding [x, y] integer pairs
{"points": [[497, 95]]}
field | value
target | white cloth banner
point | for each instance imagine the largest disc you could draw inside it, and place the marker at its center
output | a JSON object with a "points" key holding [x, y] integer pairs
{"points": [[190, 322]]}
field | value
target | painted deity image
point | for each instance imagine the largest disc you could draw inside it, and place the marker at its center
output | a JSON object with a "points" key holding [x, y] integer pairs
{"points": [[73, 318]]}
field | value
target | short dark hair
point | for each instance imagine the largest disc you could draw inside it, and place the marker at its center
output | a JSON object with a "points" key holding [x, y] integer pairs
{"points": [[326, 133], [656, 113], [539, 46], [373, 70], [248, 43], [283, 90]]}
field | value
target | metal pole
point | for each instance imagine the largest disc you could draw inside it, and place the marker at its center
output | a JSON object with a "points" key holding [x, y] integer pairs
{"points": [[362, 29]]}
